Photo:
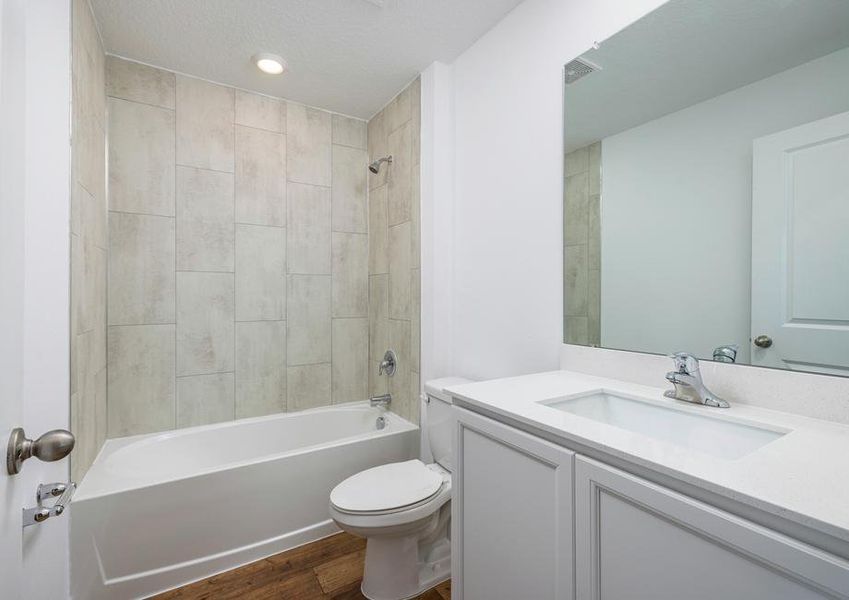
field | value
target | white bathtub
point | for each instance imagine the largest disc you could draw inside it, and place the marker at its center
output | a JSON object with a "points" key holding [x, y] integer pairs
{"points": [[160, 510]]}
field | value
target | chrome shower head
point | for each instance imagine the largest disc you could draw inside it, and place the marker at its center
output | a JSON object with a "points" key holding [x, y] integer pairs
{"points": [[375, 166]]}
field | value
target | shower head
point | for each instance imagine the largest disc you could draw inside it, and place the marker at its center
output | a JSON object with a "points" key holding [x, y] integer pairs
{"points": [[375, 166]]}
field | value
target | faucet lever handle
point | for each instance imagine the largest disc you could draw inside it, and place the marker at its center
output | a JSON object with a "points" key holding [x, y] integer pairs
{"points": [[685, 362]]}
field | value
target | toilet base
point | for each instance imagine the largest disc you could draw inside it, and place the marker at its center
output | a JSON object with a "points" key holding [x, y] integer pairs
{"points": [[401, 568]]}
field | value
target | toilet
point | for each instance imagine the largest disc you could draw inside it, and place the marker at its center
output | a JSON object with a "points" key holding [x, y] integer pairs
{"points": [[404, 510]]}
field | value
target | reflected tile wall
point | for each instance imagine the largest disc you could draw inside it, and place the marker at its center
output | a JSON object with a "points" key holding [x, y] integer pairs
{"points": [[582, 246]]}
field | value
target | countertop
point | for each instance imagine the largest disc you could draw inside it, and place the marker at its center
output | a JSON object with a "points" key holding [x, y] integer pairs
{"points": [[802, 477]]}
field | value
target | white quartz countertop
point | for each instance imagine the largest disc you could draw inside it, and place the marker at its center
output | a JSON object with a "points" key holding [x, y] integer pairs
{"points": [[803, 476]]}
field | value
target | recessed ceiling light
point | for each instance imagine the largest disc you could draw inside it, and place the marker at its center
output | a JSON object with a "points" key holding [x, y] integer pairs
{"points": [[269, 63]]}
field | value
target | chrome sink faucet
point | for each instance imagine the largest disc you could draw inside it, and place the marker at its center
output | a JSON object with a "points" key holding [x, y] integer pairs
{"points": [[688, 382]]}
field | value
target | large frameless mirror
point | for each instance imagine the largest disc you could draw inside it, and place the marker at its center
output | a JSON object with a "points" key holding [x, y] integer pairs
{"points": [[706, 193]]}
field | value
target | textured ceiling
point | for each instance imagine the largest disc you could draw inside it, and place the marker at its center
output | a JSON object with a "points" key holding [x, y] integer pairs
{"points": [[348, 56], [690, 50]]}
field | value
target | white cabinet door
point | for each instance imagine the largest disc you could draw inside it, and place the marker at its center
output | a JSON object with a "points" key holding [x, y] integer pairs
{"points": [[800, 249], [511, 514], [639, 541]]}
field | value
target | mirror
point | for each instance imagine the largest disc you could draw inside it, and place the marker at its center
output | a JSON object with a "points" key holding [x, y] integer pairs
{"points": [[706, 192]]}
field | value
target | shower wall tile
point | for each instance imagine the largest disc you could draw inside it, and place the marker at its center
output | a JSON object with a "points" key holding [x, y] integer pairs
{"points": [[308, 386], [260, 273], [205, 115], [415, 221], [350, 274], [262, 112], [88, 240], [378, 231], [205, 231], [416, 120], [205, 323], [377, 147], [308, 319], [399, 178], [204, 399], [349, 376], [394, 249], [348, 192], [416, 319], [576, 330], [399, 271], [260, 368], [141, 269], [594, 307], [260, 185], [400, 339], [308, 224], [136, 82], [350, 132], [141, 158], [141, 379], [378, 316], [309, 133], [241, 229], [399, 110]]}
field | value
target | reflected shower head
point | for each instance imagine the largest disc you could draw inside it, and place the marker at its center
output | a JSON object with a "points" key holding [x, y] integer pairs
{"points": [[375, 166]]}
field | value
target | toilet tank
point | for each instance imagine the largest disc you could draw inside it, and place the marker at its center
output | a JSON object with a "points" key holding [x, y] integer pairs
{"points": [[438, 421]]}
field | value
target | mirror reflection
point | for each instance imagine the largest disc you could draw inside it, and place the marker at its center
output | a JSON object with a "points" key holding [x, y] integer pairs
{"points": [[706, 193]]}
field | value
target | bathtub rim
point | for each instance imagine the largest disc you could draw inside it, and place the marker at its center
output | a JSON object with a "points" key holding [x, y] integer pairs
{"points": [[395, 424]]}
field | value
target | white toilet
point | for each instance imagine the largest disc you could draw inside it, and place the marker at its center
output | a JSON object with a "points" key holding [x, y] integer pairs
{"points": [[404, 510]]}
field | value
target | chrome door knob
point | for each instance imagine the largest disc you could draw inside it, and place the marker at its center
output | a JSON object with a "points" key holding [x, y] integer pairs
{"points": [[763, 341], [53, 445]]}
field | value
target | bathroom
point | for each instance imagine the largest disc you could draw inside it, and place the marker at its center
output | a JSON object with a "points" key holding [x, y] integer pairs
{"points": [[387, 299]]}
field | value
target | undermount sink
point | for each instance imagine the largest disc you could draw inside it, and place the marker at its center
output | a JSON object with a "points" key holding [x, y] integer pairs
{"points": [[718, 437]]}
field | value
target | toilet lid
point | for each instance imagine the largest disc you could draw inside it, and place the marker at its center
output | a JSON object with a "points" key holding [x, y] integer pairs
{"points": [[386, 487]]}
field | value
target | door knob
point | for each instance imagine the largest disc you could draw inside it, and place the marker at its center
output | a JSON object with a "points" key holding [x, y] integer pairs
{"points": [[763, 341], [53, 445]]}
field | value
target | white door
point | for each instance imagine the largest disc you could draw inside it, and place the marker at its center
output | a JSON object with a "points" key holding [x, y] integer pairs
{"points": [[800, 248], [34, 276]]}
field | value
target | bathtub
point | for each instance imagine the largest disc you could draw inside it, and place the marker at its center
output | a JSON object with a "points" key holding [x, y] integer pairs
{"points": [[157, 511]]}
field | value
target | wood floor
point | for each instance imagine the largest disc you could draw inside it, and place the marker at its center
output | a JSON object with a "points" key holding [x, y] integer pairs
{"points": [[329, 569]]}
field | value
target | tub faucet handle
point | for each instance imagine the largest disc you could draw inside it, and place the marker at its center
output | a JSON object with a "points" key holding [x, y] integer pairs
{"points": [[390, 361]]}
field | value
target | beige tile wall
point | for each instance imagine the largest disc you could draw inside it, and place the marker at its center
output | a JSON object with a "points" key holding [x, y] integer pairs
{"points": [[238, 252], [88, 241], [582, 247], [394, 286]]}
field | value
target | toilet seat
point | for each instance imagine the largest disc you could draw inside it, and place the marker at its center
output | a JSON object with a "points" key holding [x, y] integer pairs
{"points": [[388, 489]]}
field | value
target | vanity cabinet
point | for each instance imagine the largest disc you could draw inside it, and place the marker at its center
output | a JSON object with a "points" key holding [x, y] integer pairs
{"points": [[638, 540], [518, 497], [511, 514]]}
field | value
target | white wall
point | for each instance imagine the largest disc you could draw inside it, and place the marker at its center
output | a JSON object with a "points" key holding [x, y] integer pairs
{"points": [[676, 211], [506, 316]]}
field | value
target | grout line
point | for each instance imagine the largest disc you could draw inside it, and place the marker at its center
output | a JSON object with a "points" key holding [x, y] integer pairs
{"points": [[141, 102]]}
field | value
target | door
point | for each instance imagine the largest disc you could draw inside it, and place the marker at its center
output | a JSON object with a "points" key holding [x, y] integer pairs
{"points": [[640, 541], [800, 249], [511, 514], [34, 277]]}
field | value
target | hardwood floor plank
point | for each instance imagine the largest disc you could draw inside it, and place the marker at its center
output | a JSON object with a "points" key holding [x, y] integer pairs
{"points": [[317, 553], [341, 573], [329, 569]]}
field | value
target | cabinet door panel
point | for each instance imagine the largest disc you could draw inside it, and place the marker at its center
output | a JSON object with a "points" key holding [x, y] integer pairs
{"points": [[638, 540], [512, 514]]}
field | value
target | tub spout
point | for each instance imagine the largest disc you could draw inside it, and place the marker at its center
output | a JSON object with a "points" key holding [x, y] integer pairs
{"points": [[383, 401]]}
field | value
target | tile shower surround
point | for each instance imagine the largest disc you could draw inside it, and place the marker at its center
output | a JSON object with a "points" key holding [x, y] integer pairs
{"points": [[240, 250]]}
